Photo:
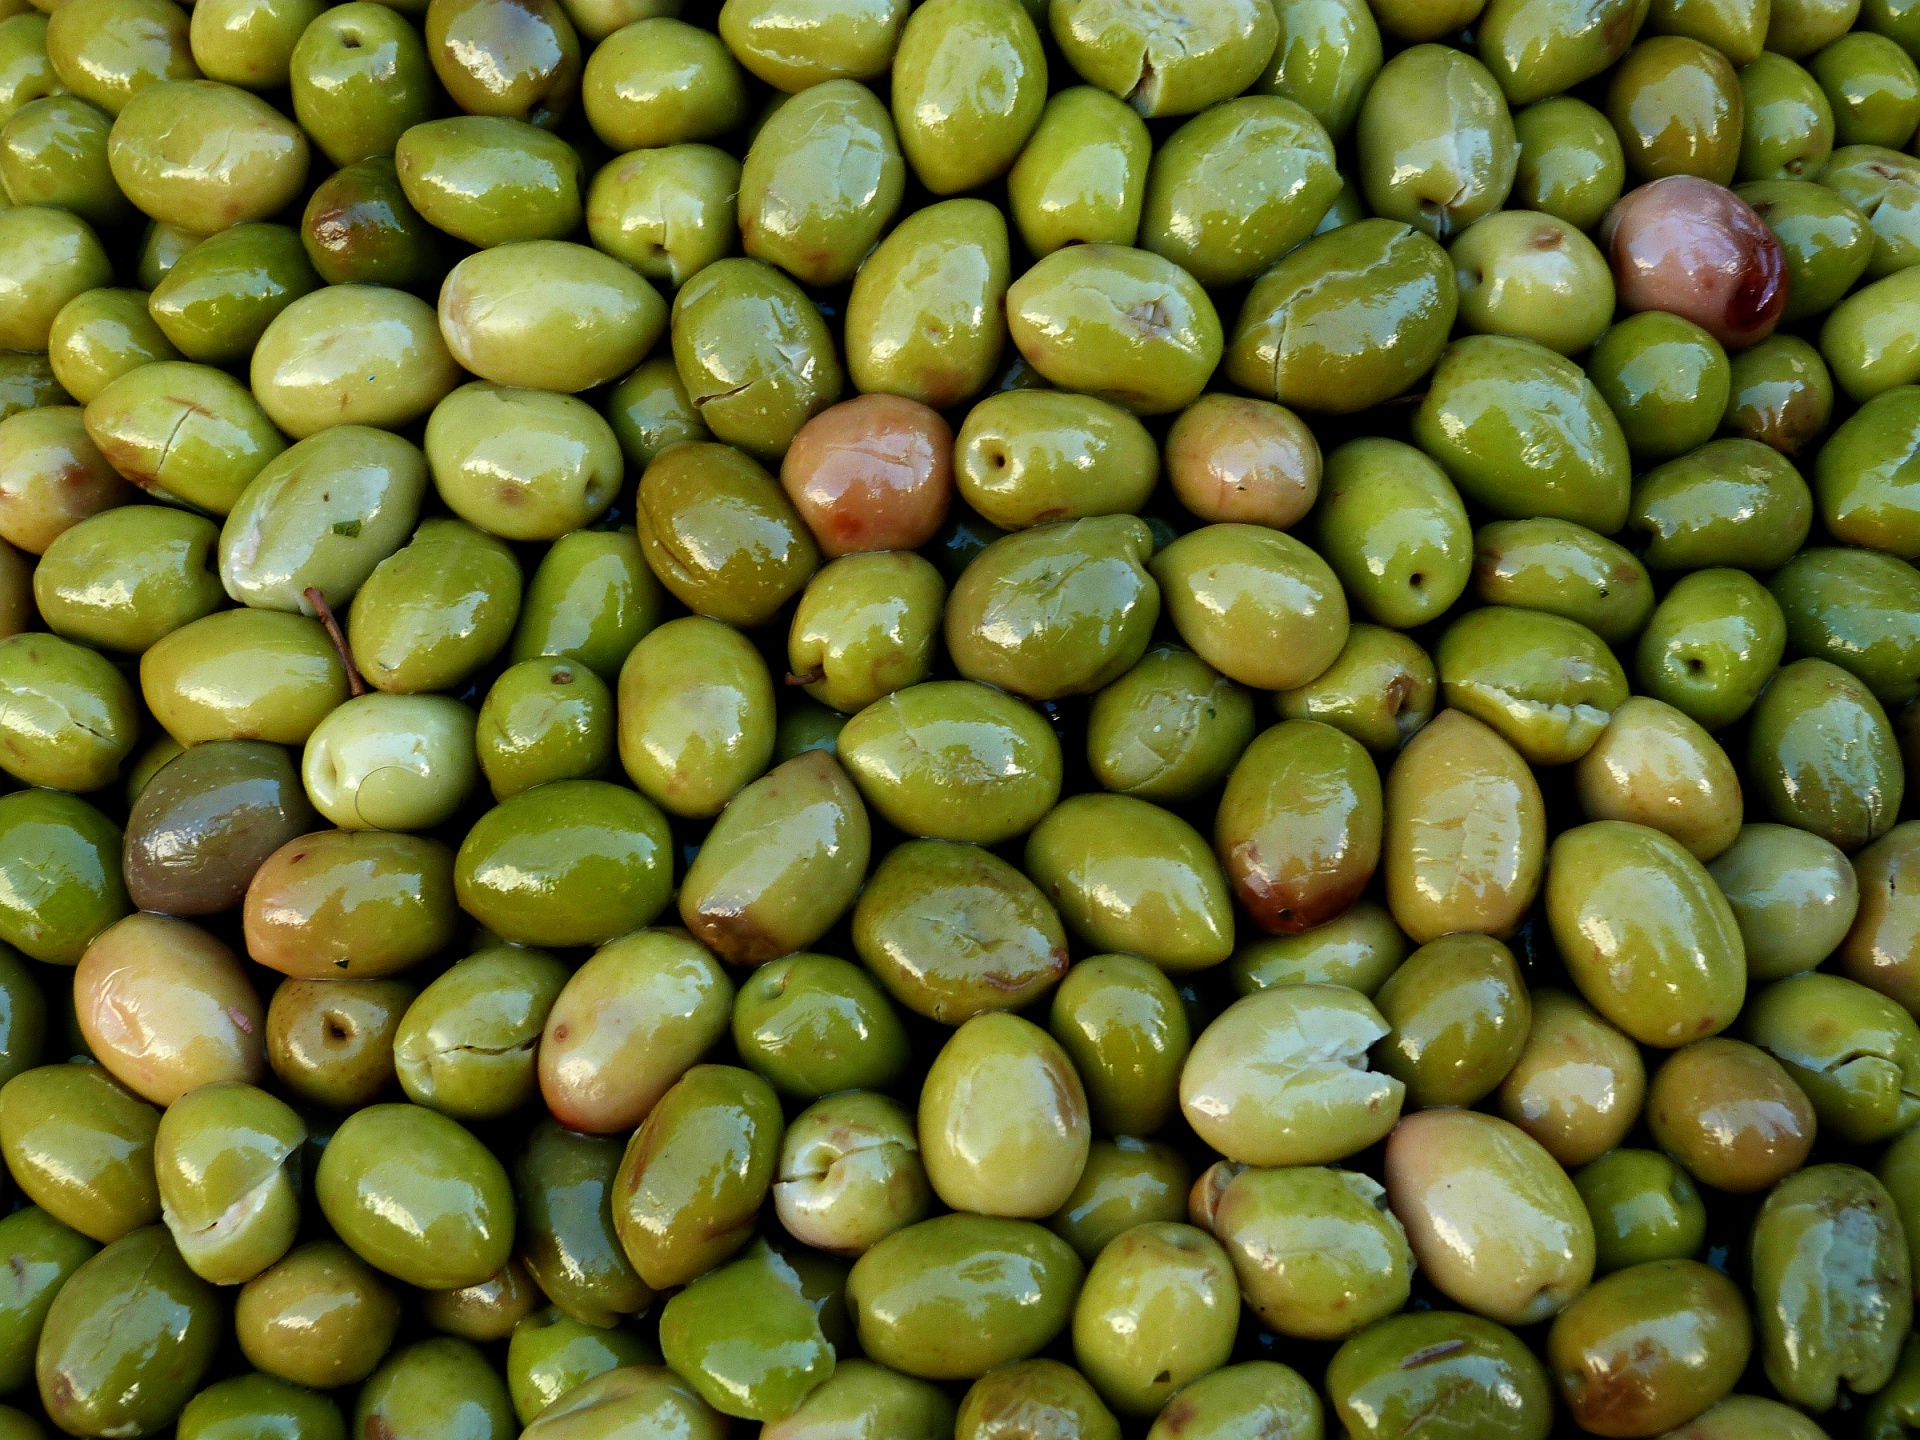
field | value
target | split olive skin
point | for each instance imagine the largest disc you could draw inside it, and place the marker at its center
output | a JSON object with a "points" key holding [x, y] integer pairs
{"points": [[964, 720]]}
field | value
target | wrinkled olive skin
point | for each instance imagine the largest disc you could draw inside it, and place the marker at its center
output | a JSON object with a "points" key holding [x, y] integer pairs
{"points": [[526, 870], [551, 1352], [1570, 162], [850, 1174], [1826, 242], [1453, 1374], [1353, 1271], [1298, 826], [544, 720], [1547, 684], [96, 337], [498, 58], [226, 1160], [61, 886], [1056, 610], [1165, 62], [1003, 1120], [1074, 317], [1728, 1112], [196, 836], [260, 166], [1327, 57], [629, 1023], [1525, 433], [41, 1254], [1436, 144], [1850, 1049], [1831, 1287], [184, 433], [1394, 530], [954, 760], [1782, 394], [1667, 380], [1879, 184], [417, 1196], [865, 627], [27, 381], [1302, 340], [260, 1405], [71, 718], [920, 894], [350, 905], [1821, 755], [1380, 690], [488, 180], [562, 1182], [1257, 1091], [128, 577], [1643, 1208], [1081, 178], [466, 1046], [815, 1025], [696, 715], [1712, 646], [330, 1042], [127, 1340], [439, 1387], [1458, 767], [81, 1148], [952, 1297], [781, 864], [1170, 729], [650, 410], [1033, 1397], [1795, 898], [632, 1399], [754, 355], [696, 1173], [1649, 1347], [548, 315], [360, 79], [436, 610], [1494, 1223], [1578, 1083]]}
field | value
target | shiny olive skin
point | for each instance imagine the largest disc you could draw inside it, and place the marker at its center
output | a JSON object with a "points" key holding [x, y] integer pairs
{"points": [[1880, 184], [97, 337], [1667, 380], [1033, 1397], [217, 302], [1578, 1084], [1301, 339], [54, 152], [127, 1340], [696, 1173], [954, 760], [1394, 530], [436, 610], [521, 61], [128, 577], [1570, 163], [360, 78], [108, 51], [1496, 1225], [1787, 121], [358, 228], [1712, 646], [791, 44], [660, 82], [260, 1405], [1731, 502], [1359, 948], [1827, 243], [69, 723], [1170, 729], [223, 1151], [81, 1148], [1380, 690], [1867, 339], [259, 167], [330, 1042], [417, 1196], [669, 212], [972, 81], [488, 180], [435, 1387], [815, 1025], [904, 919], [865, 627], [1452, 1373], [1850, 1050], [1126, 1182], [350, 904], [696, 715], [544, 720], [1082, 176], [1795, 898], [747, 1336], [1643, 1208], [1259, 606], [485, 1311], [1547, 684], [952, 1297], [1797, 764], [62, 887], [1873, 87], [1860, 476], [551, 1352], [1028, 457], [1158, 1309], [1459, 1018], [1730, 1114], [1867, 633], [1408, 171], [1566, 570], [466, 1045], [1654, 766], [42, 1254], [1649, 1347], [184, 433], [1678, 107], [1782, 394], [562, 1181], [52, 476]]}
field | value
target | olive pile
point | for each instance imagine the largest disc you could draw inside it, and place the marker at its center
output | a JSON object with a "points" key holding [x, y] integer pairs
{"points": [[695, 746]]}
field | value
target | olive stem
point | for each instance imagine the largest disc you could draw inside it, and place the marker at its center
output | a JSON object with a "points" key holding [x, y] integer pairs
{"points": [[319, 602]]}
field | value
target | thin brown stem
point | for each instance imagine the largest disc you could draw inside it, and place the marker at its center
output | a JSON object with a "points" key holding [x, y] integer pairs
{"points": [[319, 602]]}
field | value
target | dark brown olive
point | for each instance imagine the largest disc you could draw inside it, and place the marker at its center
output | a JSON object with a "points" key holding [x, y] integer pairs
{"points": [[1696, 249]]}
